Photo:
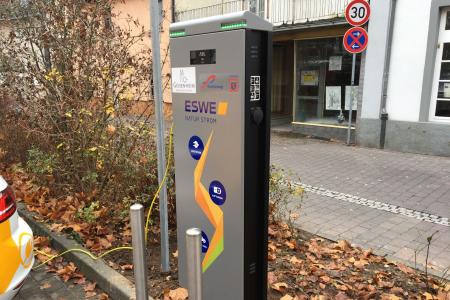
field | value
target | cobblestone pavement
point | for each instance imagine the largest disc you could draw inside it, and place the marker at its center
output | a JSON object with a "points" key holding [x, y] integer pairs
{"points": [[388, 201], [41, 285]]}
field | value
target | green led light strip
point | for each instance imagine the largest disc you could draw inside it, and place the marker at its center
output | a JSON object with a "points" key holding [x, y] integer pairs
{"points": [[177, 33], [229, 26]]}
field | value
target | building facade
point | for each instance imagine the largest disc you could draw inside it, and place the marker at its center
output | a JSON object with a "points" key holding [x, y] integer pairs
{"points": [[407, 77], [311, 69], [140, 11], [402, 99]]}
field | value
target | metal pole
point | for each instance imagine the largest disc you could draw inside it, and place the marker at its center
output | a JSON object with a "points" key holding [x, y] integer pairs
{"points": [[139, 251], [157, 88], [349, 131], [194, 263]]}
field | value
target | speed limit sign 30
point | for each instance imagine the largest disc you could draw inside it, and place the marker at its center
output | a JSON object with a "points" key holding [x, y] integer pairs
{"points": [[357, 12]]}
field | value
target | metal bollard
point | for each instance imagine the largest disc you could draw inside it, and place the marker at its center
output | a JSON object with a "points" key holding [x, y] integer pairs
{"points": [[194, 263], [139, 251]]}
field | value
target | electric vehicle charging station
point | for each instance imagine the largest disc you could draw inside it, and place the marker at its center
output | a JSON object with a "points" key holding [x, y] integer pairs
{"points": [[221, 81]]}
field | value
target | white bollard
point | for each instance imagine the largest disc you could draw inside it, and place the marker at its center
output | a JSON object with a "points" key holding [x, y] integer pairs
{"points": [[139, 251], [194, 263]]}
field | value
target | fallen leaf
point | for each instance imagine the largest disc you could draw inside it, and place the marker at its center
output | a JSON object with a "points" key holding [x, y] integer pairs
{"points": [[178, 294], [397, 290], [294, 260], [287, 297], [81, 280], [341, 296], [294, 216], [291, 244], [175, 254], [126, 267], [105, 243], [271, 231], [271, 278], [344, 245], [280, 286], [385, 284], [90, 287], [390, 297], [443, 295], [45, 286], [103, 296], [405, 268], [360, 263], [367, 253], [90, 294]]}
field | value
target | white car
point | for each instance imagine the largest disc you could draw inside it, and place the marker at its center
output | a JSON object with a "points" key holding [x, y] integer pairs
{"points": [[16, 245]]}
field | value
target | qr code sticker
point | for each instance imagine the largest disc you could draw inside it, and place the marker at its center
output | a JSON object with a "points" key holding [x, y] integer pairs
{"points": [[255, 88]]}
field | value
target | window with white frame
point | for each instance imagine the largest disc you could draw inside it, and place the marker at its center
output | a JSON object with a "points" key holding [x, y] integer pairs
{"points": [[440, 102]]}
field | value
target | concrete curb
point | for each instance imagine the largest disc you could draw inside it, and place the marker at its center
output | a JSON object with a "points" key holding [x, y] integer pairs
{"points": [[113, 283]]}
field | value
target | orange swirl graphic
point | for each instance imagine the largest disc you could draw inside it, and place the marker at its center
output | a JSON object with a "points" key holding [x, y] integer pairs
{"points": [[210, 209]]}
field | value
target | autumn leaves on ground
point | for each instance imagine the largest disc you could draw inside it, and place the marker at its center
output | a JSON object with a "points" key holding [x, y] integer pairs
{"points": [[301, 266]]}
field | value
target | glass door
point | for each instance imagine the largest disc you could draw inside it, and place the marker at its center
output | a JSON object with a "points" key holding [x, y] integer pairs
{"points": [[440, 103]]}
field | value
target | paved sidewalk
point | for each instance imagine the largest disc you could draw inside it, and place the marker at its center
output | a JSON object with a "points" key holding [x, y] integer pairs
{"points": [[388, 201], [41, 285]]}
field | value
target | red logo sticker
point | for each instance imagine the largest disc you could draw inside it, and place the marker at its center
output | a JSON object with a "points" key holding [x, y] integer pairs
{"points": [[233, 84]]}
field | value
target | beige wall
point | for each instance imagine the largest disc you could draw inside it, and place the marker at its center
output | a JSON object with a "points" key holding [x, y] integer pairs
{"points": [[182, 5], [139, 9]]}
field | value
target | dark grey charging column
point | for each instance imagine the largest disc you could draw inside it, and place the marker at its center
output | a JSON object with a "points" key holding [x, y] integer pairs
{"points": [[221, 101]]}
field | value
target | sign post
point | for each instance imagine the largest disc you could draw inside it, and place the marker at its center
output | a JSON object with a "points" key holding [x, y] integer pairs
{"points": [[355, 41], [160, 141]]}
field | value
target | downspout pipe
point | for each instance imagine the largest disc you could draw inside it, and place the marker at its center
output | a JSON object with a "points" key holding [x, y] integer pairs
{"points": [[384, 116], [173, 11]]}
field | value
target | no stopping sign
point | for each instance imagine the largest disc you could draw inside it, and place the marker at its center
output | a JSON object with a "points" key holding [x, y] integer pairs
{"points": [[357, 12]]}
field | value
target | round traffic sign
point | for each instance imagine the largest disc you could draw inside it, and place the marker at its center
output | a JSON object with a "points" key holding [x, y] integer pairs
{"points": [[357, 12], [356, 40]]}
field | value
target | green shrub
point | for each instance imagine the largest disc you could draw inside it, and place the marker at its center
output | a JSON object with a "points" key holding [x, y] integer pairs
{"points": [[87, 214], [79, 105], [40, 163], [282, 191]]}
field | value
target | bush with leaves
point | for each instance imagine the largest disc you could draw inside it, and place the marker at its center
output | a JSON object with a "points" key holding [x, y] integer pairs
{"points": [[74, 77], [282, 191]]}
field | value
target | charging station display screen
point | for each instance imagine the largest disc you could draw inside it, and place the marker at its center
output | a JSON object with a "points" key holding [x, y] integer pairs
{"points": [[203, 57]]}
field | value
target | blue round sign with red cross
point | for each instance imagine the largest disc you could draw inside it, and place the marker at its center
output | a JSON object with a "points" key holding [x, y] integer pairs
{"points": [[356, 40]]}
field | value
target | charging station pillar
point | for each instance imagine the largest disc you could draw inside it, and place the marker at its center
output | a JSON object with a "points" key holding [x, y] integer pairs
{"points": [[221, 82]]}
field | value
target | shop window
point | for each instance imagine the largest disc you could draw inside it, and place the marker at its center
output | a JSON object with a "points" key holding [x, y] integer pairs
{"points": [[323, 82]]}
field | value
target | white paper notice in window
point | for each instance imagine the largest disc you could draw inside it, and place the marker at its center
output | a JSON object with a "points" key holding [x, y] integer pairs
{"points": [[333, 98], [184, 80], [349, 92], [335, 63]]}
